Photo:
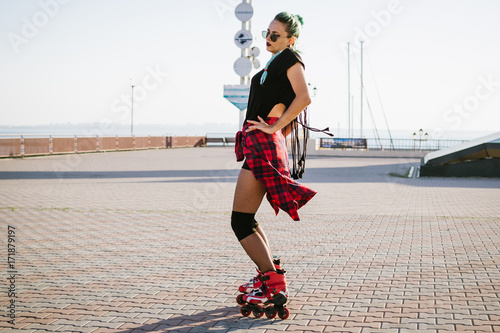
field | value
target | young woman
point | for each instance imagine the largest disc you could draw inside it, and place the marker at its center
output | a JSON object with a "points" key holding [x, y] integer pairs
{"points": [[278, 94]]}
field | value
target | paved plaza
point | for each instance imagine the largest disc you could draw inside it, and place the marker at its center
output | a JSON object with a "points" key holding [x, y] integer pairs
{"points": [[141, 241]]}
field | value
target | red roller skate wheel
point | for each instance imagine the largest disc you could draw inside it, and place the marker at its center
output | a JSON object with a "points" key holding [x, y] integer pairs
{"points": [[270, 312], [284, 313], [244, 312], [240, 300], [258, 311]]}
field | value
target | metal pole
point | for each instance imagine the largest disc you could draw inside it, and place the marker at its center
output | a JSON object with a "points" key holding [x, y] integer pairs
{"points": [[248, 49], [132, 113], [352, 114], [242, 78], [243, 51], [349, 90], [361, 89]]}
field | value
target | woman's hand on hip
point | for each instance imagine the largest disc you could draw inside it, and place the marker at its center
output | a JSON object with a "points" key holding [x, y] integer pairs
{"points": [[262, 126]]}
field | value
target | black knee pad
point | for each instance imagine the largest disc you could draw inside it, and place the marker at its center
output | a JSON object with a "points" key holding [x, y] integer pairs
{"points": [[243, 224]]}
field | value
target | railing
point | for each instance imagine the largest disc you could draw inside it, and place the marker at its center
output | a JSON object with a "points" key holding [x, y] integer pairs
{"points": [[220, 139], [21, 145], [411, 144], [29, 145], [394, 144]]}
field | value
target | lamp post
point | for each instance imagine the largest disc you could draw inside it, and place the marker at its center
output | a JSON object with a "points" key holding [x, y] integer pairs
{"points": [[420, 132], [132, 112]]}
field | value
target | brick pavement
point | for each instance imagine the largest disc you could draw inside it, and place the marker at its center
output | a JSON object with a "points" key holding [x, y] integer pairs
{"points": [[140, 242]]}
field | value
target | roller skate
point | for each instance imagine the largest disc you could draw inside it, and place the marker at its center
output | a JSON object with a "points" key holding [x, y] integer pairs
{"points": [[255, 283], [273, 295]]}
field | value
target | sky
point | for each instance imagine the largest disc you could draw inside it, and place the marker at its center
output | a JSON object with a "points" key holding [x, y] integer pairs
{"points": [[430, 64]]}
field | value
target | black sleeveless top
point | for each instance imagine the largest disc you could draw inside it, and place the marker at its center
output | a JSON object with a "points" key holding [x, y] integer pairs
{"points": [[276, 89]]}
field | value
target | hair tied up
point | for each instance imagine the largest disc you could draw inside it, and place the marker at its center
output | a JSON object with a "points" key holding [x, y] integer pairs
{"points": [[292, 22], [299, 19]]}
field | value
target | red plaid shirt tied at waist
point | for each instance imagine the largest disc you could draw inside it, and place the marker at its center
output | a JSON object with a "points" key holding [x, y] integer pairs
{"points": [[267, 157]]}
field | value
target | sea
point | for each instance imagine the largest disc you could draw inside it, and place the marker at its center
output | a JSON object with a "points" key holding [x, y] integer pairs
{"points": [[93, 129], [399, 136]]}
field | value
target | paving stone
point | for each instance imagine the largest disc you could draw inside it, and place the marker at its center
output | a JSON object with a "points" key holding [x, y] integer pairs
{"points": [[136, 241]]}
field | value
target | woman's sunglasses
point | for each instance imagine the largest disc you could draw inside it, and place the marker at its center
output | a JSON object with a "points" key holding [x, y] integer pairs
{"points": [[274, 37]]}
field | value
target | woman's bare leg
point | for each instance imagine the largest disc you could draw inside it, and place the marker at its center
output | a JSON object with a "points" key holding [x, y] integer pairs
{"points": [[247, 199], [263, 235]]}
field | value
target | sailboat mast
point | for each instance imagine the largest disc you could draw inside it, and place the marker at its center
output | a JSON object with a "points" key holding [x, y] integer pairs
{"points": [[361, 131], [348, 91]]}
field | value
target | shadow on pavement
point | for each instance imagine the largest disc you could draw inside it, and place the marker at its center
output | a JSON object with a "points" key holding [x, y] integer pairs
{"points": [[357, 174], [207, 174], [226, 319]]}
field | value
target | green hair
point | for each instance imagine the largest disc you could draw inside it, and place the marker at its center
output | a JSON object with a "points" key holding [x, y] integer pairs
{"points": [[292, 22]]}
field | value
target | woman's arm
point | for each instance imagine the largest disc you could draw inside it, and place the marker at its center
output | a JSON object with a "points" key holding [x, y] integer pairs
{"points": [[302, 99]]}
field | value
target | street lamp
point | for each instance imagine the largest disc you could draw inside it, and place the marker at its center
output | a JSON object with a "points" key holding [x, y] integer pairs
{"points": [[420, 132], [132, 112]]}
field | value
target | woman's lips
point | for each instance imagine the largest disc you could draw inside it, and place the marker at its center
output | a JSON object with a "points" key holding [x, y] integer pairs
{"points": [[268, 44]]}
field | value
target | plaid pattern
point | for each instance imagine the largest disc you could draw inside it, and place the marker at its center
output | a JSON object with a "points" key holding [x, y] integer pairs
{"points": [[267, 157]]}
